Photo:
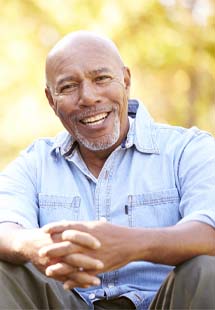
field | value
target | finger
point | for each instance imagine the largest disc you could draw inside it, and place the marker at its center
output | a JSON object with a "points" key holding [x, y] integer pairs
{"points": [[57, 249], [59, 269], [81, 279], [69, 285], [57, 227], [57, 237], [81, 238], [79, 259]]}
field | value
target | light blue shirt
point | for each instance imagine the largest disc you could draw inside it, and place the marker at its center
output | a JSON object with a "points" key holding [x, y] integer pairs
{"points": [[160, 176]]}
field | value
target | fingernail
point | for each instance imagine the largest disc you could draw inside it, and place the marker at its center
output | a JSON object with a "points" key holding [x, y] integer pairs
{"points": [[97, 244], [66, 286], [96, 281], [48, 271], [42, 252], [99, 265]]}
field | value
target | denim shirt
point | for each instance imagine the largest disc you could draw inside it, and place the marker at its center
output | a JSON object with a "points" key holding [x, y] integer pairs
{"points": [[160, 176]]}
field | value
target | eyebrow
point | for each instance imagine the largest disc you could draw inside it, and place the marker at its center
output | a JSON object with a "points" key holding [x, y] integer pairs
{"points": [[100, 70], [65, 79], [91, 73]]}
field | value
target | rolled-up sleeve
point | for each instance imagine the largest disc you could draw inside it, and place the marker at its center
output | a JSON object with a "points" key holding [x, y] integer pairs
{"points": [[196, 173]]}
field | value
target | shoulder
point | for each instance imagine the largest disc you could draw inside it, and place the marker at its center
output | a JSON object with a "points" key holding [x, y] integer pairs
{"points": [[41, 144], [181, 138], [165, 138], [39, 152], [46, 145]]}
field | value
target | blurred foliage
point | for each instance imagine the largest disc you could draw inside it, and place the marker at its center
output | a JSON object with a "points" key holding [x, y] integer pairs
{"points": [[168, 44]]}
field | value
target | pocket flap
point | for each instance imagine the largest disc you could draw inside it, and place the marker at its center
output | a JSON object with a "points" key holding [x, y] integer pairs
{"points": [[154, 198]]}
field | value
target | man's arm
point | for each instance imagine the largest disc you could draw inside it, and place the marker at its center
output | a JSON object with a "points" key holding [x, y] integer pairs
{"points": [[175, 244], [19, 245], [19, 203], [8, 235], [121, 245]]}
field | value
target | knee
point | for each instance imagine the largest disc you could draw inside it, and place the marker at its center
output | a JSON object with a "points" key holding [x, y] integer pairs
{"points": [[198, 269], [9, 271]]}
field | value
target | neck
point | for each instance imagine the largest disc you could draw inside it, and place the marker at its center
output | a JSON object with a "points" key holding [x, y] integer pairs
{"points": [[95, 160]]}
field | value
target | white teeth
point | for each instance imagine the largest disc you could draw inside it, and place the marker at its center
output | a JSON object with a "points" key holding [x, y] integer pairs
{"points": [[95, 119]]}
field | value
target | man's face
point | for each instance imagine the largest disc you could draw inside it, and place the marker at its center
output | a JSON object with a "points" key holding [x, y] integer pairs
{"points": [[89, 95]]}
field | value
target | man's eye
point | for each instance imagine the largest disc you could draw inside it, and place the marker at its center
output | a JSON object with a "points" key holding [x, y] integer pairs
{"points": [[68, 87], [103, 78]]}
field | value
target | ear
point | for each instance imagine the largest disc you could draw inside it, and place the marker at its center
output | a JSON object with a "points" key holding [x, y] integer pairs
{"points": [[50, 99], [127, 79]]}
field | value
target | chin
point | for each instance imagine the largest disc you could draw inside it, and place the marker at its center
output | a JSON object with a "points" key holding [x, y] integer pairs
{"points": [[100, 144]]}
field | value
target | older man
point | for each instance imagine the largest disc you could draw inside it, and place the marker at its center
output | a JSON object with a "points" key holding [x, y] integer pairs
{"points": [[106, 209]]}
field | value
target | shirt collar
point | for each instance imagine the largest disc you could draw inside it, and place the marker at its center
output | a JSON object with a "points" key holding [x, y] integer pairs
{"points": [[142, 133], [63, 144]]}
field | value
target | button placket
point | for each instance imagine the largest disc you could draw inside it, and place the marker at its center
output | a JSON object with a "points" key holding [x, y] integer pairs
{"points": [[103, 190]]}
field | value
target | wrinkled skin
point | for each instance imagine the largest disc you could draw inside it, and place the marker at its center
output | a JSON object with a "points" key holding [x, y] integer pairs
{"points": [[28, 244], [87, 79], [113, 252]]}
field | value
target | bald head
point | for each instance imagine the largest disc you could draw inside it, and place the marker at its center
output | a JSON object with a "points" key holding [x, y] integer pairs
{"points": [[80, 42]]}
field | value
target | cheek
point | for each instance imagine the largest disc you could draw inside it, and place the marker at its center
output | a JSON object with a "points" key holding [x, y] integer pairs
{"points": [[64, 110], [121, 98], [118, 93], [67, 121]]}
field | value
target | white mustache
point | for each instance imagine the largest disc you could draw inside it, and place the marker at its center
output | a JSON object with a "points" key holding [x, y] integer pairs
{"points": [[92, 111]]}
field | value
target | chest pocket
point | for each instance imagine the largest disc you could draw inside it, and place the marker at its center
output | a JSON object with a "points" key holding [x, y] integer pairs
{"points": [[55, 208], [153, 209]]}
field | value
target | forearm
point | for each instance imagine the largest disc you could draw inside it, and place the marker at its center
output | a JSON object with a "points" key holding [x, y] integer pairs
{"points": [[19, 245], [173, 245], [121, 245], [9, 235]]}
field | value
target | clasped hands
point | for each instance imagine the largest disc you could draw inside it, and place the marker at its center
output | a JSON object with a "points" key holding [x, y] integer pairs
{"points": [[82, 250]]}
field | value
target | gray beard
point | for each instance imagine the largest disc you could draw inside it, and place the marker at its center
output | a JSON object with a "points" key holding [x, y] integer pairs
{"points": [[102, 143]]}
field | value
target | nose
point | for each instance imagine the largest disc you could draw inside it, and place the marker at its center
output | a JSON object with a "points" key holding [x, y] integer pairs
{"points": [[88, 94]]}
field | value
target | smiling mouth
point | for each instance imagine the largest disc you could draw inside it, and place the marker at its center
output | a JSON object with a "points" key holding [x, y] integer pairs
{"points": [[94, 120]]}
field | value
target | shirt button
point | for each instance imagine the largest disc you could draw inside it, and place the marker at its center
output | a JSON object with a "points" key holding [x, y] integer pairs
{"points": [[128, 144], [92, 296], [110, 285]]}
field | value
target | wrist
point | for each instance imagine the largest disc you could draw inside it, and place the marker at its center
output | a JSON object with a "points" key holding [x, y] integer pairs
{"points": [[139, 244], [133, 243], [19, 246]]}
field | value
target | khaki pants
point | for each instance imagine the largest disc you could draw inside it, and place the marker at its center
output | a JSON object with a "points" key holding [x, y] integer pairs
{"points": [[23, 287], [190, 286]]}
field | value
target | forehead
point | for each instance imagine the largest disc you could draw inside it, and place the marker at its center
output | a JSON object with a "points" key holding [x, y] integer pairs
{"points": [[84, 58]]}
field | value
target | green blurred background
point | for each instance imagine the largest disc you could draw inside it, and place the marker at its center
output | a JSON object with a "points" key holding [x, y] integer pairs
{"points": [[169, 46]]}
